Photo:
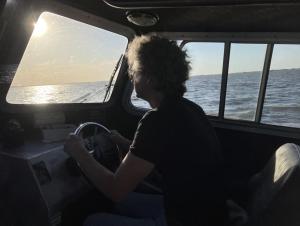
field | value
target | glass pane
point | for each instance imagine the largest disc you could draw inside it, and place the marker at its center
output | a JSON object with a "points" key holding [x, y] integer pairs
{"points": [[204, 84], [282, 102], [65, 61], [244, 76]]}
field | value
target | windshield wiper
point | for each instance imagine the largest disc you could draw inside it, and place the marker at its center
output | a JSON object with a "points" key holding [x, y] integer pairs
{"points": [[112, 77], [88, 96], [105, 89]]}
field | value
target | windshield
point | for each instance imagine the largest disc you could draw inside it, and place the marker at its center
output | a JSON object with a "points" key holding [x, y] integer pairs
{"points": [[66, 61]]}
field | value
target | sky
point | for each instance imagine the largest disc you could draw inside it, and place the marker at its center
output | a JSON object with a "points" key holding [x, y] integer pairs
{"points": [[62, 51], [207, 58]]}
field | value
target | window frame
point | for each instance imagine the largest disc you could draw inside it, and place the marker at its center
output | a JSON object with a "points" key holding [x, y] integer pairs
{"points": [[261, 91], [267, 38]]}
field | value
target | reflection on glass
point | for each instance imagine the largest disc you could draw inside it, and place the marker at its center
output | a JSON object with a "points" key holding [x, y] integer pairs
{"points": [[282, 101], [244, 75]]}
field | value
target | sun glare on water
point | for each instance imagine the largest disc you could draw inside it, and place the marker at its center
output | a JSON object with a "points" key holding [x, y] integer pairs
{"points": [[40, 28], [43, 94]]}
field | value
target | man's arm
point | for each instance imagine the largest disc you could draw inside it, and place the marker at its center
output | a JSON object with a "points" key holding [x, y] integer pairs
{"points": [[121, 141], [116, 186]]}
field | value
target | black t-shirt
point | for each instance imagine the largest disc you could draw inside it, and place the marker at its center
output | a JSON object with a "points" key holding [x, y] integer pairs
{"points": [[178, 138]]}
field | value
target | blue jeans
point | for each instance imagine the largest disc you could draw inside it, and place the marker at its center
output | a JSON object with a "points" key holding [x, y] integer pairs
{"points": [[136, 210]]}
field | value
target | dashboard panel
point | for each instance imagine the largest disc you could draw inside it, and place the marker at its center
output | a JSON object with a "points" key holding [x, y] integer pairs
{"points": [[40, 180]]}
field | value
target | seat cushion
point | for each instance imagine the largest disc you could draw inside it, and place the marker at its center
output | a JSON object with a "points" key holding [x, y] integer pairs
{"points": [[275, 191], [237, 215]]}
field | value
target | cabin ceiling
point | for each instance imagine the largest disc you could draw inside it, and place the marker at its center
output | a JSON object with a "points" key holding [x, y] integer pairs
{"points": [[196, 16], [208, 16]]}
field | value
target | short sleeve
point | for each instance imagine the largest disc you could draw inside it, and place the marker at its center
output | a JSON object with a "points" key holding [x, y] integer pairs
{"points": [[147, 143]]}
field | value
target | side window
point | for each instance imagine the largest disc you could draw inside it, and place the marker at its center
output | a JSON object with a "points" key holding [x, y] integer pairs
{"points": [[66, 61], [282, 101], [203, 86], [244, 76]]}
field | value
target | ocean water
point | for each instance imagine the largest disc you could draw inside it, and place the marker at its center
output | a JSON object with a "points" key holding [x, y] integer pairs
{"points": [[67, 93], [281, 107], [282, 101]]}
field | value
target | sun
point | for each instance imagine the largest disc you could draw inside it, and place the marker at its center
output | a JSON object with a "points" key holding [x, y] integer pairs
{"points": [[40, 28]]}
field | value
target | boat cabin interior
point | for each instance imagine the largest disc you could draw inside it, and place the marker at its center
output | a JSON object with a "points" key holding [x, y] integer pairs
{"points": [[62, 64]]}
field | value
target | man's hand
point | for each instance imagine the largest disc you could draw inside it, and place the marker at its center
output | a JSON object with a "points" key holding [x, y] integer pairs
{"points": [[116, 186], [121, 141], [74, 146]]}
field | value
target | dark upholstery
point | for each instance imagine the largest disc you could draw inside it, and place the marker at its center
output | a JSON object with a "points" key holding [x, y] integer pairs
{"points": [[275, 191]]}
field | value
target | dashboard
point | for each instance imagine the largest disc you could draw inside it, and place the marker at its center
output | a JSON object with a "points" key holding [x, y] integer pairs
{"points": [[40, 180]]}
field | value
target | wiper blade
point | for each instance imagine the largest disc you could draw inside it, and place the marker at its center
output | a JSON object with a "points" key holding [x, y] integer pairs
{"points": [[88, 96], [112, 77]]}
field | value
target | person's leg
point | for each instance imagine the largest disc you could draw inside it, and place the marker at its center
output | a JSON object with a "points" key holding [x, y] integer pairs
{"points": [[136, 210], [107, 219], [140, 205]]}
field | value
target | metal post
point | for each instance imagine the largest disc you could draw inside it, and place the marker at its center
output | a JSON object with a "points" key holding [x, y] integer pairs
{"points": [[263, 83], [224, 79]]}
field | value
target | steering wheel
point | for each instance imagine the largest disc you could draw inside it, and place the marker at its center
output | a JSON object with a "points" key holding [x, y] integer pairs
{"points": [[103, 149], [99, 144]]}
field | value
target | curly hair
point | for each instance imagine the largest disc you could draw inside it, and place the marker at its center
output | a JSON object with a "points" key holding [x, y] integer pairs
{"points": [[162, 59]]}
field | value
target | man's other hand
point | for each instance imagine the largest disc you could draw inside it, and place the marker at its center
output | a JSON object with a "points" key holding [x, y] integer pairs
{"points": [[74, 145], [119, 139]]}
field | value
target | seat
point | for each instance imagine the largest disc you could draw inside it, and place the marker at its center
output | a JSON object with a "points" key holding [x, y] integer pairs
{"points": [[275, 192]]}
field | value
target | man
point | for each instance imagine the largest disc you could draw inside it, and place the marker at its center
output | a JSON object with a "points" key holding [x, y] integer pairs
{"points": [[174, 137]]}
